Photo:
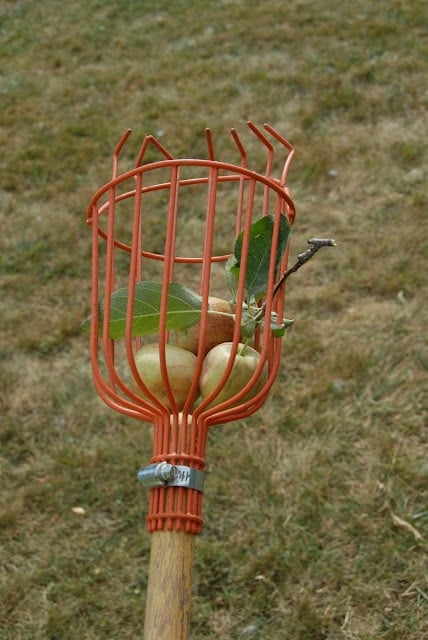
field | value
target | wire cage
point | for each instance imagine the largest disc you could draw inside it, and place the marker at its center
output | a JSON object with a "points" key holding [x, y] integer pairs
{"points": [[169, 221]]}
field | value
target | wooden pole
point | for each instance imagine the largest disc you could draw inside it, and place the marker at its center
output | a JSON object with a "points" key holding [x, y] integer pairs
{"points": [[169, 586]]}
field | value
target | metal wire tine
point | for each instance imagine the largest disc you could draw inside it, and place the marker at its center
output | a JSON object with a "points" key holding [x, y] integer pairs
{"points": [[288, 146], [155, 142], [269, 162], [240, 203], [267, 144], [117, 151], [240, 146], [210, 146]]}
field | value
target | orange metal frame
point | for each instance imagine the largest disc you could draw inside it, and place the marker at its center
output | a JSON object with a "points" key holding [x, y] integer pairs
{"points": [[180, 434]]}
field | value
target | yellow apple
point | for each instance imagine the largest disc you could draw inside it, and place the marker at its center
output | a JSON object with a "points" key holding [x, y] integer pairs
{"points": [[244, 366], [180, 364]]}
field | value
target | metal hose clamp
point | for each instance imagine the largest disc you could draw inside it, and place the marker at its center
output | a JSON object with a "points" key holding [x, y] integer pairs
{"points": [[164, 474]]}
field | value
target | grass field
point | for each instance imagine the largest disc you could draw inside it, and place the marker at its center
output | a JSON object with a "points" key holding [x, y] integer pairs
{"points": [[315, 509]]}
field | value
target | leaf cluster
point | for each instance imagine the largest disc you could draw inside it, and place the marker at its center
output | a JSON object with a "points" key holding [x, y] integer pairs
{"points": [[183, 306]]}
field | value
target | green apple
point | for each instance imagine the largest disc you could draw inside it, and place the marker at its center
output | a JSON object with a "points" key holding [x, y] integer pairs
{"points": [[180, 365], [219, 328], [244, 366]]}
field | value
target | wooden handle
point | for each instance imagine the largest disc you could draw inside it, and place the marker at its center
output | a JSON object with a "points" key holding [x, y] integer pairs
{"points": [[169, 587]]}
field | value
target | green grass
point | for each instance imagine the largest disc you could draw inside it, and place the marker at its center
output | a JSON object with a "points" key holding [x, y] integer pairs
{"points": [[305, 502]]}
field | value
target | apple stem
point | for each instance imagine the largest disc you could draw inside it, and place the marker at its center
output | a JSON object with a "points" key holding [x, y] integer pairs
{"points": [[243, 349]]}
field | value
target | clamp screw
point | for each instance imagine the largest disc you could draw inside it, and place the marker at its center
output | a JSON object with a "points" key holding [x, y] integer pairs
{"points": [[165, 471]]}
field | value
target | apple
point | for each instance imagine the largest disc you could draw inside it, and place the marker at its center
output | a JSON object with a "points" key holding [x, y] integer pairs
{"points": [[244, 366], [180, 365], [219, 328]]}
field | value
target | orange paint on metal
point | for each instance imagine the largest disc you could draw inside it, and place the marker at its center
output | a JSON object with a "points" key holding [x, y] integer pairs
{"points": [[118, 212]]}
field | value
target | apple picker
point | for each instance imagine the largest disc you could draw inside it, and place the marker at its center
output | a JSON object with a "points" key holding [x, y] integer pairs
{"points": [[171, 236]]}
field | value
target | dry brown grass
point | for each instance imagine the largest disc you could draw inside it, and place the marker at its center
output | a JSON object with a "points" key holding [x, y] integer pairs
{"points": [[313, 508]]}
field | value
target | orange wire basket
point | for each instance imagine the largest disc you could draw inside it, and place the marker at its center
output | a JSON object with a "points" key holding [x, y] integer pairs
{"points": [[156, 203]]}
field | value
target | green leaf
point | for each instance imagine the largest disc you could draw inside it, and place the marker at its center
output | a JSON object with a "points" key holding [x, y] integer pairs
{"points": [[183, 309], [248, 328], [86, 324], [260, 242], [231, 277], [278, 330]]}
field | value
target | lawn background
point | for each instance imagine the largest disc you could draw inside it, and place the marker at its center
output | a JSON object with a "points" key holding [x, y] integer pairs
{"points": [[316, 511]]}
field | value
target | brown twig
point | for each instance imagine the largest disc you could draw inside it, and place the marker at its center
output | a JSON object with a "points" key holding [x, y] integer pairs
{"points": [[302, 258]]}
